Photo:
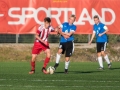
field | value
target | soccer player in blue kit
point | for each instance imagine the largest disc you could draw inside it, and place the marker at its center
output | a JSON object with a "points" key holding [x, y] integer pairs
{"points": [[66, 41], [100, 30]]}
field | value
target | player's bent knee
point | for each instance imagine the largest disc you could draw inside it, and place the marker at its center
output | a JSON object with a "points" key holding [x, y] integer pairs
{"points": [[59, 51], [34, 57], [67, 60], [103, 54], [48, 54], [47, 51], [99, 54]]}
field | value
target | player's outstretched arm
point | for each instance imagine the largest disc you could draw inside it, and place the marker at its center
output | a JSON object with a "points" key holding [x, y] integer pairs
{"points": [[54, 29], [93, 35], [57, 30]]}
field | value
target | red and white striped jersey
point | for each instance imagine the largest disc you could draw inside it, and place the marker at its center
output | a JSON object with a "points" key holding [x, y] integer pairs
{"points": [[44, 33]]}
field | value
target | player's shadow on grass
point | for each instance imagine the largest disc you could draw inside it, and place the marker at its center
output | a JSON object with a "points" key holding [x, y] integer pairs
{"points": [[85, 71], [115, 68], [75, 72]]}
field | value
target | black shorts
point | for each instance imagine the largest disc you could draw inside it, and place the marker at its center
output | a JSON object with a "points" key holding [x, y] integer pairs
{"points": [[67, 48], [101, 46]]}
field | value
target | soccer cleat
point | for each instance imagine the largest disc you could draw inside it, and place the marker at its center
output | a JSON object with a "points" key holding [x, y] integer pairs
{"points": [[66, 71], [56, 65], [100, 68], [32, 72], [44, 71], [109, 65]]}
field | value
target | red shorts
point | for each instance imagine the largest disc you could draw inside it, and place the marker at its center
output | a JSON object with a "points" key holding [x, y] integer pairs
{"points": [[38, 47]]}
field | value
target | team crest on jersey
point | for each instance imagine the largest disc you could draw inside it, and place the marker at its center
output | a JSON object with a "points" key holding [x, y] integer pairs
{"points": [[66, 31], [65, 26], [98, 28]]}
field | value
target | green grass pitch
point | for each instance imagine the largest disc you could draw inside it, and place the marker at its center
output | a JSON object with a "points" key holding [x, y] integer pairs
{"points": [[81, 76]]}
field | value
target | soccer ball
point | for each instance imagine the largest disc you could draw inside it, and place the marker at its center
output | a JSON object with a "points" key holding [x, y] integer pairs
{"points": [[50, 70]]}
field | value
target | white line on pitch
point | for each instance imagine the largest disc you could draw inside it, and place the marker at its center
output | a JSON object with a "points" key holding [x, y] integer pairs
{"points": [[38, 80], [5, 85], [30, 86]]}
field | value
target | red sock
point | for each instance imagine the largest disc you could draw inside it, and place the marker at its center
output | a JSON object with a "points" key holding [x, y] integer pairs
{"points": [[46, 62], [32, 65]]}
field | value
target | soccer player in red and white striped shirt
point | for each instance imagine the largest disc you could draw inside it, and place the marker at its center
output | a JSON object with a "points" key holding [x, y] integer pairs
{"points": [[41, 44]]}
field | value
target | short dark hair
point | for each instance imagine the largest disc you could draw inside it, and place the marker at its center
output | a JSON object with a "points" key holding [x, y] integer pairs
{"points": [[73, 16], [47, 19], [96, 16]]}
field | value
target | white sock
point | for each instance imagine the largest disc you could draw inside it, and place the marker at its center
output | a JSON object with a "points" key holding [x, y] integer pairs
{"points": [[100, 62], [67, 64], [58, 58], [107, 59]]}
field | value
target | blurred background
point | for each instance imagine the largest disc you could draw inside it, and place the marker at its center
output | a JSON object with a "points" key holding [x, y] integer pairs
{"points": [[29, 38]]}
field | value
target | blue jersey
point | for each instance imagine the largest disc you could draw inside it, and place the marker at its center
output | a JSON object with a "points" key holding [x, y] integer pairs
{"points": [[66, 28], [98, 29]]}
